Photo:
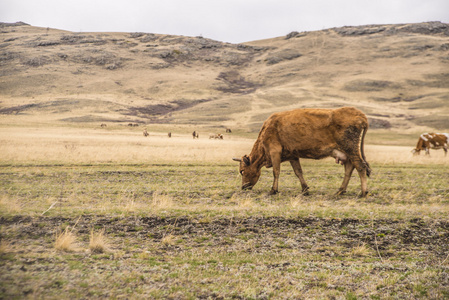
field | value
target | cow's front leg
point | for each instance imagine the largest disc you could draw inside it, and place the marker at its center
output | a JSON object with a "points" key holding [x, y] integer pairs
{"points": [[296, 165], [276, 160]]}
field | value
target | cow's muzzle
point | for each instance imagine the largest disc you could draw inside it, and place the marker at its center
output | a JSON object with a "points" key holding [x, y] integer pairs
{"points": [[247, 186]]}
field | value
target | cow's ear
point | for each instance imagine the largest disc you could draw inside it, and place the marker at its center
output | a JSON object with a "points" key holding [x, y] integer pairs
{"points": [[246, 160]]}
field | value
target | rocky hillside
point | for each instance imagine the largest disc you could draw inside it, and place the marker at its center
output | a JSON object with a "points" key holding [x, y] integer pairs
{"points": [[397, 74]]}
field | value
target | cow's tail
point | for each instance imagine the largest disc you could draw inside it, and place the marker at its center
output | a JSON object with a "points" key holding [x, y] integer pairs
{"points": [[362, 152]]}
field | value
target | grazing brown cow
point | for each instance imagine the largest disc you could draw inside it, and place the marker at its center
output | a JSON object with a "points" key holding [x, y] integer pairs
{"points": [[145, 133], [309, 133], [429, 141]]}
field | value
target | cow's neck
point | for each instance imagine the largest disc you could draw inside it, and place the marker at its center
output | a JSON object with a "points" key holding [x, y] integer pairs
{"points": [[257, 155]]}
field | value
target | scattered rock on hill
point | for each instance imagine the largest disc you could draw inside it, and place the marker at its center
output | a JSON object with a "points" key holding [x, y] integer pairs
{"points": [[295, 34], [359, 30], [427, 28], [5, 24]]}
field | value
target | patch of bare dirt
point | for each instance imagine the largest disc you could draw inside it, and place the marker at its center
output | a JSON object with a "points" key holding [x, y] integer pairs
{"points": [[233, 82], [141, 259], [428, 235], [153, 112]]}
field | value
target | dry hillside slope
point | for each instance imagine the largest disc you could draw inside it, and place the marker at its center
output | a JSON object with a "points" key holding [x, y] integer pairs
{"points": [[397, 74]]}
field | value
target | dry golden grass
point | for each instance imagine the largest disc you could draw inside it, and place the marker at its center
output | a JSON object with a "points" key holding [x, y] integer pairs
{"points": [[71, 145], [10, 204], [362, 251], [243, 201], [162, 201], [122, 145], [98, 243], [383, 154], [5, 246], [168, 240], [66, 241]]}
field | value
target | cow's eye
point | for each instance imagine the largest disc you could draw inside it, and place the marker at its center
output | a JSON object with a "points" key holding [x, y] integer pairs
{"points": [[241, 172]]}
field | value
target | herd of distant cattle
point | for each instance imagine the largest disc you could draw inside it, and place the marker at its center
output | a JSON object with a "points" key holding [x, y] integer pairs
{"points": [[195, 134], [314, 134]]}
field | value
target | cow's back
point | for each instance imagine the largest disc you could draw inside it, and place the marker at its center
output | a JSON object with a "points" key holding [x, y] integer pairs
{"points": [[304, 130], [307, 123]]}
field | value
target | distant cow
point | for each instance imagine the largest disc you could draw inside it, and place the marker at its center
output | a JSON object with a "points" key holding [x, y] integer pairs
{"points": [[169, 134], [195, 135], [429, 141], [309, 133], [103, 125], [228, 130], [145, 133], [216, 136]]}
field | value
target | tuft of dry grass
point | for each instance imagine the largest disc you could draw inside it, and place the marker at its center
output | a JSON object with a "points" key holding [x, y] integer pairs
{"points": [[168, 240], [361, 251], [10, 204], [243, 200], [98, 243], [66, 241], [5, 247], [162, 201], [247, 202]]}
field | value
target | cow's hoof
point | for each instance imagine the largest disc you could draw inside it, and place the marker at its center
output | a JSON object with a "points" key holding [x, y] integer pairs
{"points": [[340, 192], [363, 195], [273, 192], [305, 191]]}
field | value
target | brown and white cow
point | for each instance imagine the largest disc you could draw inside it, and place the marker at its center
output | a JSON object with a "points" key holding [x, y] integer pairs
{"points": [[429, 141], [217, 136], [309, 133]]}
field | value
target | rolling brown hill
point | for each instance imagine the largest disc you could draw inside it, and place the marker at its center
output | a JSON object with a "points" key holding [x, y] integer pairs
{"points": [[397, 74]]}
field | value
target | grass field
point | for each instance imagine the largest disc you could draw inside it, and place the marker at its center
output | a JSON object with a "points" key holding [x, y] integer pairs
{"points": [[92, 213]]}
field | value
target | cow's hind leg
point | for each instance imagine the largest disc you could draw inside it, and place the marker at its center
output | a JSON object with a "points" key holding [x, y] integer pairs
{"points": [[298, 172], [361, 168], [349, 168], [363, 182]]}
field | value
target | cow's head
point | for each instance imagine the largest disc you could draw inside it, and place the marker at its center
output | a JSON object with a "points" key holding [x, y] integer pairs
{"points": [[250, 173]]}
